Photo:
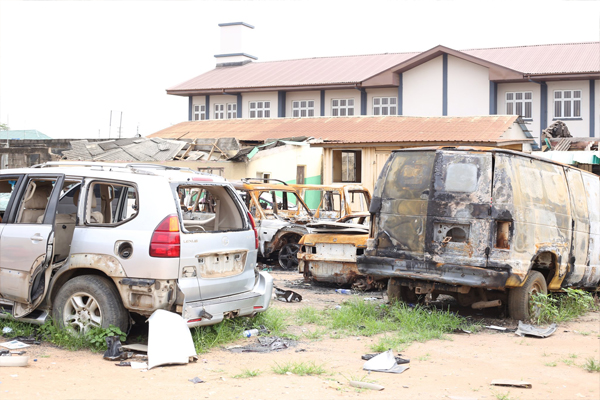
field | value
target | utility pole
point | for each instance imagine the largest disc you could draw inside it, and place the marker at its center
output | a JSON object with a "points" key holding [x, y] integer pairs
{"points": [[120, 120], [110, 124]]}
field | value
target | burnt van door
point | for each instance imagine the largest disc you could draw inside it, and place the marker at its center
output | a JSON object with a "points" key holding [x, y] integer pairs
{"points": [[580, 239], [458, 214]]}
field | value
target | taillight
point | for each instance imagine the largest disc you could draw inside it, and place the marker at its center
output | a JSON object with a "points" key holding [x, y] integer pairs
{"points": [[255, 230], [165, 238]]}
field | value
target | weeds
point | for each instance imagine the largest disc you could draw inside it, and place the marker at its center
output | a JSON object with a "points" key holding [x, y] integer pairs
{"points": [[248, 373], [560, 307], [299, 368], [591, 365], [550, 364]]}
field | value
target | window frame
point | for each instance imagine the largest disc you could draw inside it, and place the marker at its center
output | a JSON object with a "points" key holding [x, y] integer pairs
{"points": [[219, 112], [199, 112], [346, 108], [260, 108], [571, 101], [378, 104], [89, 188], [231, 110], [513, 102], [297, 107]]}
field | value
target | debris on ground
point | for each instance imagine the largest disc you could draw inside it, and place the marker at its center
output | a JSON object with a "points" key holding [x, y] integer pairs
{"points": [[27, 339], [398, 358], [496, 328], [385, 362], [123, 364], [511, 383], [169, 340], [265, 344], [196, 380], [142, 348], [14, 345], [460, 330], [7, 329], [530, 330], [366, 385], [343, 291], [255, 332], [10, 360], [139, 365], [114, 350], [288, 296]]}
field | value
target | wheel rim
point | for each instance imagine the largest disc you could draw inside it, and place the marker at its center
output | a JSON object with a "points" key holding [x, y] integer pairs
{"points": [[82, 313], [288, 256], [534, 310]]}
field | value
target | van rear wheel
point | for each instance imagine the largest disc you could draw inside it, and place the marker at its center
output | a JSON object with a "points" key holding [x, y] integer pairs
{"points": [[89, 301], [519, 304]]}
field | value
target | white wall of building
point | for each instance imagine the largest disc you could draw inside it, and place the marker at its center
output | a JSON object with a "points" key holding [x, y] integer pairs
{"points": [[282, 162], [259, 96], [422, 89], [579, 127], [314, 95], [468, 88], [342, 94], [384, 92], [597, 113], [534, 123]]}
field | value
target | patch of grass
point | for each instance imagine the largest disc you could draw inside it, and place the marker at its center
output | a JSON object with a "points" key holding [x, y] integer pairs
{"points": [[584, 333], [544, 354], [248, 373], [562, 306], [550, 364], [309, 315], [317, 334], [568, 361], [572, 355], [64, 338], [299, 368], [591, 365], [424, 358], [502, 396]]}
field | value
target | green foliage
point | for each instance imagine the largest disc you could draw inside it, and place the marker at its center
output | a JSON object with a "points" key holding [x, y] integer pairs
{"points": [[563, 306], [591, 365], [97, 336], [4, 127], [308, 315], [248, 373], [299, 368]]}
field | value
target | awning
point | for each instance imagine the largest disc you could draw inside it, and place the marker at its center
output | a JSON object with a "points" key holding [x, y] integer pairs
{"points": [[572, 157]]}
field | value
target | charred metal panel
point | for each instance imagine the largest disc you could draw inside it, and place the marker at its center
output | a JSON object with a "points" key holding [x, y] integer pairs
{"points": [[334, 272], [145, 299], [221, 264], [592, 269]]}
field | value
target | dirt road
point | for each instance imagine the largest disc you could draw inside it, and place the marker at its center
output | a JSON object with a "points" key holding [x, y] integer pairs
{"points": [[460, 367]]}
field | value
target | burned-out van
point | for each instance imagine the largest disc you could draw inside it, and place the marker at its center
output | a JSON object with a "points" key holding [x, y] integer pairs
{"points": [[488, 226]]}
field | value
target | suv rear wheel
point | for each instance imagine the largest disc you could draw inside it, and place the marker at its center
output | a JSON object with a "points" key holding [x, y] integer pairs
{"points": [[89, 301], [288, 256]]}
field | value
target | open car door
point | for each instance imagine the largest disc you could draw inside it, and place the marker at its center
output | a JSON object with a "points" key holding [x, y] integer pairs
{"points": [[27, 242]]}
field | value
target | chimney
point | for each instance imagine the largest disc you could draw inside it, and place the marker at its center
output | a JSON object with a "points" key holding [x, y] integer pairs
{"points": [[233, 35]]}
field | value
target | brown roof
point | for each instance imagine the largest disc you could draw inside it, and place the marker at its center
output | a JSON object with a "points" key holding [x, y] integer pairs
{"points": [[569, 58], [364, 129], [547, 59]]}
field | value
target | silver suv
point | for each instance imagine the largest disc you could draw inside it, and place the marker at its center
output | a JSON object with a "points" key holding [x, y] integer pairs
{"points": [[91, 242]]}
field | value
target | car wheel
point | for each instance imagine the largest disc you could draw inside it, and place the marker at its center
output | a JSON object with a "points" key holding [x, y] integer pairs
{"points": [[87, 302], [519, 307], [288, 256]]}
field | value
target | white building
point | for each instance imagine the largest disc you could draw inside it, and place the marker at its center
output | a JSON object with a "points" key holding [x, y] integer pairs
{"points": [[541, 83]]}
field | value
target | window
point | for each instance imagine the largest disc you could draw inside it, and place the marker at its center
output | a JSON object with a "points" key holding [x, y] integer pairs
{"points": [[231, 110], [519, 103], [260, 109], [384, 106], [110, 203], [342, 107], [213, 170], [347, 165], [199, 112], [567, 104], [303, 108], [219, 111], [34, 201]]}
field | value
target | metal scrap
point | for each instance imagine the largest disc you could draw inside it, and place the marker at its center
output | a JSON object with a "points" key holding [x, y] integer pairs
{"points": [[511, 383], [530, 330], [265, 344], [288, 296], [385, 362]]}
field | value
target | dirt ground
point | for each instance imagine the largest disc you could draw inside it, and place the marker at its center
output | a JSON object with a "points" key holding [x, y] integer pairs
{"points": [[460, 367]]}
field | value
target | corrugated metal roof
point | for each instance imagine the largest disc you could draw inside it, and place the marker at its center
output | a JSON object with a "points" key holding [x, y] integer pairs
{"points": [[540, 59], [27, 134], [545, 59], [309, 71], [367, 129], [140, 149]]}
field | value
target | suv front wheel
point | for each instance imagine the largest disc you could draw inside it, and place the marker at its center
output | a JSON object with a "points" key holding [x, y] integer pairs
{"points": [[89, 301]]}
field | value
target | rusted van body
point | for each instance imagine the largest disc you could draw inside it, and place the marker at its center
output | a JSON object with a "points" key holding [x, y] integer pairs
{"points": [[449, 220]]}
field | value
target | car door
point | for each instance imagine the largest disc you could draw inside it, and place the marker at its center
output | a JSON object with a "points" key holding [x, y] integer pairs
{"points": [[26, 244]]}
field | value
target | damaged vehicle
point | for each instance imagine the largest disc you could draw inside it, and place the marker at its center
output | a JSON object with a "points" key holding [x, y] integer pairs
{"points": [[332, 202], [281, 217], [329, 252], [90, 243], [487, 226]]}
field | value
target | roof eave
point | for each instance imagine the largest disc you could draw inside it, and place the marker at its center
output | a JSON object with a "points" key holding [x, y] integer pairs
{"points": [[235, 90]]}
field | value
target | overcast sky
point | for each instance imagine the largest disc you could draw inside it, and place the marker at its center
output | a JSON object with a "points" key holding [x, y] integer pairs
{"points": [[65, 65]]}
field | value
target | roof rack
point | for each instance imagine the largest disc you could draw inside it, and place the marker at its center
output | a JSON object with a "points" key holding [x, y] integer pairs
{"points": [[262, 180], [133, 167]]}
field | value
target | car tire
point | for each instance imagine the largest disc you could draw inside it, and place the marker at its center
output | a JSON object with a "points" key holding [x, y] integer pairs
{"points": [[288, 256], [519, 297], [89, 301]]}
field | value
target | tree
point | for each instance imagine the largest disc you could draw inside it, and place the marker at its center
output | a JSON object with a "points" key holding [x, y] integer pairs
{"points": [[4, 127]]}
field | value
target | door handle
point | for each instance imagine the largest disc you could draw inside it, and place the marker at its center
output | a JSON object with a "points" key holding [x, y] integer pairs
{"points": [[36, 238]]}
